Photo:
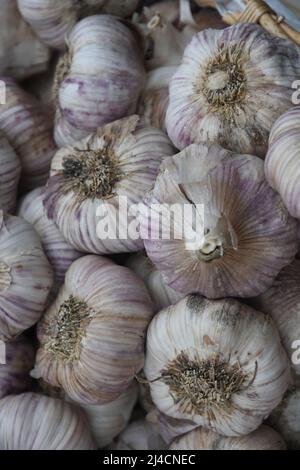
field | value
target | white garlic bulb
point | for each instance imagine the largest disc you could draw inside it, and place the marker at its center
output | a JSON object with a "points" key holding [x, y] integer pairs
{"points": [[282, 165], [10, 170], [264, 438], [25, 276], [92, 336], [108, 420], [121, 159], [161, 295], [19, 360], [53, 19], [231, 87], [60, 254], [99, 79], [140, 435], [22, 54], [35, 422], [219, 364], [245, 235], [286, 419], [28, 127]]}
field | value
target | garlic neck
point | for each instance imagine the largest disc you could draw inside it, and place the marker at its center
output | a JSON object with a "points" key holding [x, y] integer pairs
{"points": [[217, 240], [5, 276], [61, 73]]}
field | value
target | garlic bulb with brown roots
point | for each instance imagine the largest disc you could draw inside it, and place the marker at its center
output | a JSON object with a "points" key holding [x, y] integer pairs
{"points": [[219, 364], [10, 171]]}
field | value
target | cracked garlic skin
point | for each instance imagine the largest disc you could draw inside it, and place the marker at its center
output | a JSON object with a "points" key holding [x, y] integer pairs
{"points": [[10, 171], [31, 421], [282, 164], [28, 127], [264, 438], [87, 179], [286, 419], [92, 336], [219, 364], [248, 235], [26, 276], [99, 79], [231, 87]]}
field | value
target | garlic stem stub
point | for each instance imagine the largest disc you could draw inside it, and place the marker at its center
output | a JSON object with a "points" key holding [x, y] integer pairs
{"points": [[92, 336], [219, 364], [231, 87], [244, 235], [10, 171], [99, 79]]}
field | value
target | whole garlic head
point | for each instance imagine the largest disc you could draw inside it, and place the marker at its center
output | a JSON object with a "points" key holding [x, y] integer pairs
{"points": [[92, 336], [231, 87], [10, 171], [264, 438], [286, 419], [219, 364], [99, 79], [26, 277]]}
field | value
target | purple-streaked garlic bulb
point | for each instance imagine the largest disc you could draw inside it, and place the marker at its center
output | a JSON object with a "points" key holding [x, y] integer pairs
{"points": [[25, 276], [161, 295], [286, 419], [140, 435], [52, 20], [244, 235], [22, 54], [231, 87], [108, 420], [264, 438], [93, 182], [99, 79], [60, 254], [92, 336], [35, 422], [10, 171], [219, 364], [19, 361], [282, 302], [282, 164], [169, 428], [28, 127]]}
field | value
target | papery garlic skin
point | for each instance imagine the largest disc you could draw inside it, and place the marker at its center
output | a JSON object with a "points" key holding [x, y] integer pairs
{"points": [[264, 438], [104, 310], [123, 160], [161, 295], [140, 435], [107, 421], [35, 422], [28, 127], [231, 87], [169, 428], [286, 419], [99, 79], [60, 254], [246, 237], [25, 276], [22, 54], [282, 164], [240, 346], [19, 360], [10, 171]]}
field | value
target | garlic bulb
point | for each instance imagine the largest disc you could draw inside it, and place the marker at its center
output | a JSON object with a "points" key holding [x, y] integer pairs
{"points": [[162, 296], [286, 419], [231, 87], [28, 127], [169, 428], [282, 165], [10, 170], [19, 360], [22, 54], [92, 336], [99, 78], [140, 435], [264, 438], [35, 422], [60, 254], [282, 302], [107, 421], [219, 364], [25, 276], [121, 159], [245, 237], [53, 19]]}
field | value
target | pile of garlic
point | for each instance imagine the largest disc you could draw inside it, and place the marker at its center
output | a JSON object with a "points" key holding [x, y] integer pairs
{"points": [[147, 342]]}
